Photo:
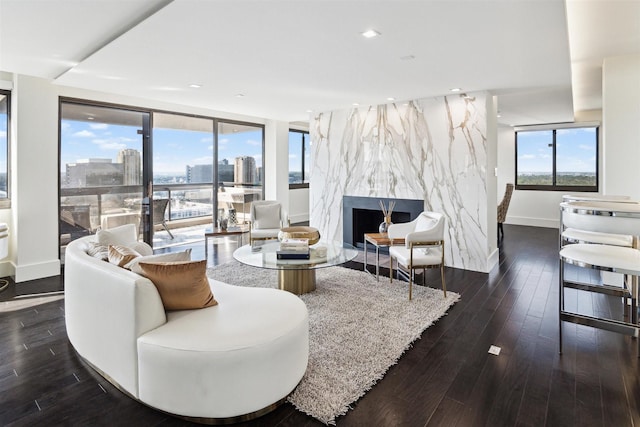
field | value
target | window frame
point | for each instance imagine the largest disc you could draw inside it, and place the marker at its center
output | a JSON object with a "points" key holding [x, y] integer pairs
{"points": [[5, 203], [554, 186], [303, 184]]}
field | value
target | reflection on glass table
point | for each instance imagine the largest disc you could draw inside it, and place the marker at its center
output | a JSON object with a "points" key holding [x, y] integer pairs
{"points": [[296, 275]]}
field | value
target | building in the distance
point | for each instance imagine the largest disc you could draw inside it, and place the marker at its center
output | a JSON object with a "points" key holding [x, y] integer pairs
{"points": [[198, 174], [225, 171], [131, 166], [245, 170], [93, 173]]}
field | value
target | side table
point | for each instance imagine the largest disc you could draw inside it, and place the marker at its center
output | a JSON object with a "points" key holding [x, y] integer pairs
{"points": [[237, 231], [378, 240]]}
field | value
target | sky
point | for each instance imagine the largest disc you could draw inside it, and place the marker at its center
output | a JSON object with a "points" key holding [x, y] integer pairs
{"points": [[575, 150], [172, 150]]}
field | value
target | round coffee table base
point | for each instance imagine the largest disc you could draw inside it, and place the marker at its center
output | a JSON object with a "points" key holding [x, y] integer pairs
{"points": [[297, 281]]}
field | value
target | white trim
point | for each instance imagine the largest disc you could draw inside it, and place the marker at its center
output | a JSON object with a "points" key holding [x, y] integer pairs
{"points": [[6, 85], [493, 259], [552, 126], [533, 222], [28, 272]]}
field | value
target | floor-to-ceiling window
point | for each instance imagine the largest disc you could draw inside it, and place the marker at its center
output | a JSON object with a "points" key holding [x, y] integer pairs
{"points": [[101, 168], [183, 173], [240, 167], [5, 116], [299, 158], [112, 156]]}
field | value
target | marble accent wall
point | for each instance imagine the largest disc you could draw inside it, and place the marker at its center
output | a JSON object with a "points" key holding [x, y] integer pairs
{"points": [[433, 149]]}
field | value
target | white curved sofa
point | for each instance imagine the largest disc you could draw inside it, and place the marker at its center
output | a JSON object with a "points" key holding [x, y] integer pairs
{"points": [[236, 360]]}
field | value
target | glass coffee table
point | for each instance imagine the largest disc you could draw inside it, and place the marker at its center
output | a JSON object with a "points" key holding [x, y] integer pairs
{"points": [[296, 275]]}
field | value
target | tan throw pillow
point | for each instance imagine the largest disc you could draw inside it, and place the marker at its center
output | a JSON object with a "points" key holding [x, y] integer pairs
{"points": [[121, 255], [181, 285], [154, 259]]}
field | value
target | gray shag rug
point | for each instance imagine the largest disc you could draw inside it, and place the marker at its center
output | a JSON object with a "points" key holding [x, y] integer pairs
{"points": [[358, 328]]}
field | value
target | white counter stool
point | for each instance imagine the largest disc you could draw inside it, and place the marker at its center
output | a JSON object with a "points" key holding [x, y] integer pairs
{"points": [[605, 258], [608, 223], [601, 235]]}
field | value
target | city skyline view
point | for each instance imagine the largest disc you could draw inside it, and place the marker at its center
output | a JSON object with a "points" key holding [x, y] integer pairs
{"points": [[173, 149]]}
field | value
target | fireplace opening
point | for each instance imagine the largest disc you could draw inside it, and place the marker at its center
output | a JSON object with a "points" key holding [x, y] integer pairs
{"points": [[368, 221], [362, 215]]}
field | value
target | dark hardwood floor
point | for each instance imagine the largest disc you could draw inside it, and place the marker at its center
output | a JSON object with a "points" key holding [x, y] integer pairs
{"points": [[447, 378]]}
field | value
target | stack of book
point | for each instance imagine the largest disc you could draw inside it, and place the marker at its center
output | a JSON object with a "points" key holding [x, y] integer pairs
{"points": [[293, 249]]}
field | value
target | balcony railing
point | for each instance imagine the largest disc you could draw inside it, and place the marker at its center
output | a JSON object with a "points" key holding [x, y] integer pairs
{"points": [[85, 210]]}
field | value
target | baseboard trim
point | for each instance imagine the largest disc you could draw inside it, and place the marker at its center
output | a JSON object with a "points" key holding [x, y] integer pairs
{"points": [[533, 222], [24, 273]]}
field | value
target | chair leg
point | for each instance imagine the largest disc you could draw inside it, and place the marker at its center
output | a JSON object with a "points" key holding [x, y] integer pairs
{"points": [[391, 269], [410, 282], [444, 285], [164, 224]]}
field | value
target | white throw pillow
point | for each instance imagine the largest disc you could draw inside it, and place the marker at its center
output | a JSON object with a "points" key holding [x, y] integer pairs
{"points": [[267, 216], [122, 235], [150, 259]]}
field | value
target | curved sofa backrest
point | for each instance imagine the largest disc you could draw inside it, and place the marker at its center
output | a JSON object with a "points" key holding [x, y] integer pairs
{"points": [[106, 309]]}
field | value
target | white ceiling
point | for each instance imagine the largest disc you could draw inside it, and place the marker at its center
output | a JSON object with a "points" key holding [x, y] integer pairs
{"points": [[290, 57]]}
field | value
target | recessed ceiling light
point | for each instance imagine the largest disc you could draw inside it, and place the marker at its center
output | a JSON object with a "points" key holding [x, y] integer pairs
{"points": [[455, 89], [309, 111], [499, 115], [370, 34], [195, 85], [355, 104], [391, 98]]}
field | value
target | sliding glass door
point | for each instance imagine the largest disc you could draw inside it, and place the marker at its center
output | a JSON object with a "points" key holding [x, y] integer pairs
{"points": [[167, 173], [101, 169], [183, 177], [240, 168]]}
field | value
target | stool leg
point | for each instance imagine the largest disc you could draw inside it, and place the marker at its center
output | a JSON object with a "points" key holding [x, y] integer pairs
{"points": [[560, 305]]}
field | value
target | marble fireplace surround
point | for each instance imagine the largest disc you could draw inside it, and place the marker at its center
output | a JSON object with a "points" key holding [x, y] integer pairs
{"points": [[432, 149]]}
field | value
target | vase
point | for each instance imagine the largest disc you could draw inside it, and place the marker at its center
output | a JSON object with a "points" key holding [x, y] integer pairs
{"points": [[384, 225]]}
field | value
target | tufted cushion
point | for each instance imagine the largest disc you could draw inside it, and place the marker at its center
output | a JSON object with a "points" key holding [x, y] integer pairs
{"points": [[134, 265], [267, 216], [121, 255], [181, 285]]}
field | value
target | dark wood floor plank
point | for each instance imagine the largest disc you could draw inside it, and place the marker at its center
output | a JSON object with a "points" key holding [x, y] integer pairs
{"points": [[447, 378]]}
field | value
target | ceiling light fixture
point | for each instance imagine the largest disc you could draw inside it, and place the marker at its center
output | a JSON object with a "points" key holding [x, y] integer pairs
{"points": [[195, 85], [369, 34], [355, 104], [455, 89], [391, 98]]}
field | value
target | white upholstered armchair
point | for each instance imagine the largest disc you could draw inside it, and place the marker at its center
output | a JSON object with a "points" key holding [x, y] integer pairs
{"points": [[423, 248], [267, 218]]}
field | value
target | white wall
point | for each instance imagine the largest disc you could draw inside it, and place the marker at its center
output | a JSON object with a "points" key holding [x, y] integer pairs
{"points": [[33, 216], [621, 116], [299, 205]]}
